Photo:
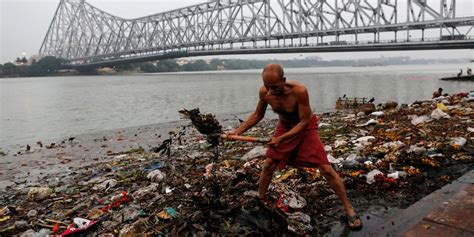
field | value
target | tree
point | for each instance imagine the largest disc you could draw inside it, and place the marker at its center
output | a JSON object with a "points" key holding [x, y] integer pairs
{"points": [[198, 65], [215, 63], [9, 69], [51, 64], [167, 65], [124, 67], [147, 67], [24, 60]]}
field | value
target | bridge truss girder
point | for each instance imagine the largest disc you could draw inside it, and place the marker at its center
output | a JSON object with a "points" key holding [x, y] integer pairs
{"points": [[84, 34]]}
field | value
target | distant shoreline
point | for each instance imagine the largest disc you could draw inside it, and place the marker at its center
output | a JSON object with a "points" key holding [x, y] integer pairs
{"points": [[230, 65]]}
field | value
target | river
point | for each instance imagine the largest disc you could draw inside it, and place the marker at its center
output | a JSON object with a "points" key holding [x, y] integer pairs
{"points": [[54, 107]]}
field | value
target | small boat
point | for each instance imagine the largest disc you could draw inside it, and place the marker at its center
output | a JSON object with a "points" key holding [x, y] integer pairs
{"points": [[354, 103], [460, 78]]}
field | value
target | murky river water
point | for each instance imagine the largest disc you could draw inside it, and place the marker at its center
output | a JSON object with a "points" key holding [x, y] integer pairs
{"points": [[53, 107]]}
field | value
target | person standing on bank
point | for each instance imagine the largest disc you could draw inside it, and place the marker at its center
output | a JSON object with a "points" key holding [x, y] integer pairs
{"points": [[296, 139]]}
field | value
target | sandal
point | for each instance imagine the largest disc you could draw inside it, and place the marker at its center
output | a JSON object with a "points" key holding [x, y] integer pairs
{"points": [[352, 220]]}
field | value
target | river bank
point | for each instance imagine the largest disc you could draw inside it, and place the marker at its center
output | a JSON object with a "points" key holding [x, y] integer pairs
{"points": [[135, 180]]}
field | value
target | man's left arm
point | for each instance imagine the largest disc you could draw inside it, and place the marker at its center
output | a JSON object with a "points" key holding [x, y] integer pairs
{"points": [[305, 114]]}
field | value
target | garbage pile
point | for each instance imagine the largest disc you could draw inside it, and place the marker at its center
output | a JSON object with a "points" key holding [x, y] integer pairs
{"points": [[390, 158]]}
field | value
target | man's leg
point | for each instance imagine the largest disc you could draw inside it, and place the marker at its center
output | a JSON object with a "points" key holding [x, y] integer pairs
{"points": [[269, 166], [336, 184]]}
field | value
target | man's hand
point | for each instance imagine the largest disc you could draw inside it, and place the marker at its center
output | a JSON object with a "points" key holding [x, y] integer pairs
{"points": [[274, 142], [229, 133]]}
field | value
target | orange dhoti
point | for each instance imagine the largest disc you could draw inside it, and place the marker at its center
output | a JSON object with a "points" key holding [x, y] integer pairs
{"points": [[302, 150]]}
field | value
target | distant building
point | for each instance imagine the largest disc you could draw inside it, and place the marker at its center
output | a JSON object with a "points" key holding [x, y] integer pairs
{"points": [[182, 62]]}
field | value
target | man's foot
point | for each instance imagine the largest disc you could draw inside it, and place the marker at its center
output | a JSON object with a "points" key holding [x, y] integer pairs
{"points": [[354, 222]]}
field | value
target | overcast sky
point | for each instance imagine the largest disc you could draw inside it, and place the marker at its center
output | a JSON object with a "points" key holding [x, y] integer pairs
{"points": [[23, 25]]}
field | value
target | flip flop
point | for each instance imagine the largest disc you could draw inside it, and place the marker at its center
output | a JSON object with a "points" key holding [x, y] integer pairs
{"points": [[352, 220]]}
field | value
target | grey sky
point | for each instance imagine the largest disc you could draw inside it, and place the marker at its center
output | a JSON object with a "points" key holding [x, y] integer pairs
{"points": [[23, 25]]}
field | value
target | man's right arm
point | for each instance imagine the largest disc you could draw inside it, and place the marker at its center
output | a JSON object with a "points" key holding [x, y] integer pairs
{"points": [[256, 116]]}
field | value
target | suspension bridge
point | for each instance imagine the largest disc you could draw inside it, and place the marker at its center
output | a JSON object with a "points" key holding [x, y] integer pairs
{"points": [[89, 37]]}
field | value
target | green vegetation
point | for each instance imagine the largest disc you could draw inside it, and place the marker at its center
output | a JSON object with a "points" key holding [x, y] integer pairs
{"points": [[46, 66], [240, 64], [50, 66]]}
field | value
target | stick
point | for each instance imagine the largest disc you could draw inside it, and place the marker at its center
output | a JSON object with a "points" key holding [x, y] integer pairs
{"points": [[243, 138], [55, 221]]}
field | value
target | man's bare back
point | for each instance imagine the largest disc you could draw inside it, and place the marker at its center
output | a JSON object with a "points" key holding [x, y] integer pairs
{"points": [[285, 104]]}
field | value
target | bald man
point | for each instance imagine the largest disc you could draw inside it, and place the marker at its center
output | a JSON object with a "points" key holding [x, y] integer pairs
{"points": [[296, 139]]}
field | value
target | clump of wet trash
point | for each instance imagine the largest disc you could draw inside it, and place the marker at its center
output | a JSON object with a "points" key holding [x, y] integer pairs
{"points": [[390, 158], [206, 124]]}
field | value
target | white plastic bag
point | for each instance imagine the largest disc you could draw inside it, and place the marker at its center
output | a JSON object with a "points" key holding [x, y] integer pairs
{"points": [[371, 176]]}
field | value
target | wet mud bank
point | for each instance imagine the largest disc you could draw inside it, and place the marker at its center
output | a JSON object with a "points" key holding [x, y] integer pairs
{"points": [[168, 180]]}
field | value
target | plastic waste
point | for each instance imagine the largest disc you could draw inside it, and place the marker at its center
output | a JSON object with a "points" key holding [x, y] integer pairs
{"points": [[32, 213], [282, 203], [350, 161], [339, 143], [439, 114], [334, 160], [110, 183], [420, 119], [397, 175], [377, 113], [168, 213], [371, 176], [116, 201], [5, 218], [287, 175], [458, 141], [471, 96], [394, 145], [208, 169], [156, 176], [299, 223], [416, 149], [442, 107], [4, 211], [258, 151], [79, 225], [370, 122], [39, 193], [327, 148], [40, 233], [296, 201], [21, 224], [365, 139], [323, 125]]}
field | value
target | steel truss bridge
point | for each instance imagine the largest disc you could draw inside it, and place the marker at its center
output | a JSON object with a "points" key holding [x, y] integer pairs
{"points": [[89, 37]]}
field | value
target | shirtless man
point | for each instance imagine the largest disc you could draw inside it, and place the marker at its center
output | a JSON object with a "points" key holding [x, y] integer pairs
{"points": [[296, 140], [438, 93]]}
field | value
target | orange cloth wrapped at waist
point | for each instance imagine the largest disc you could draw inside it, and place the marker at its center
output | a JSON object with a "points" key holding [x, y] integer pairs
{"points": [[302, 150]]}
